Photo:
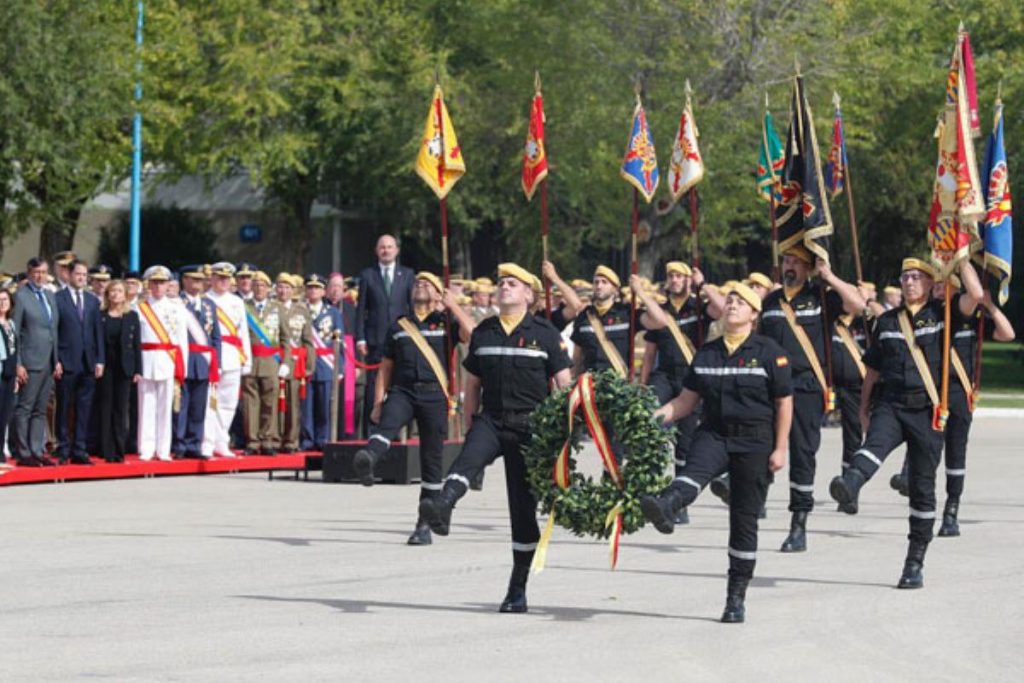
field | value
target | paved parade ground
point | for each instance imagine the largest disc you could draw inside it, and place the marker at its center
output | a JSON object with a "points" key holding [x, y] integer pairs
{"points": [[233, 577]]}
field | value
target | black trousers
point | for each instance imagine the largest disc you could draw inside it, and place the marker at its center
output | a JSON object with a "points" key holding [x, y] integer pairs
{"points": [[430, 410], [746, 461], [373, 356], [114, 391], [505, 436], [7, 401], [190, 421], [849, 412], [74, 391], [666, 389], [958, 429], [804, 439], [891, 425]]}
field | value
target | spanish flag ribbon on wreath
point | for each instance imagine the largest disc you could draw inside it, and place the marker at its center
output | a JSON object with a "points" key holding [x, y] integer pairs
{"points": [[439, 162]]}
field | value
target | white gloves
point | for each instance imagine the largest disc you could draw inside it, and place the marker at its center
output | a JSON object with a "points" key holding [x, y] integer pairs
{"points": [[283, 372]]}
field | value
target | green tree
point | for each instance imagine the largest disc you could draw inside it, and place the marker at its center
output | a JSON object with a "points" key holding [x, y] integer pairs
{"points": [[64, 105]]}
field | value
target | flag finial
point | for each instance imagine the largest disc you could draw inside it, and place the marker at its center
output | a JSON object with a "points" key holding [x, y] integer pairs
{"points": [[796, 63], [836, 99], [536, 80], [961, 28], [766, 100], [999, 93]]}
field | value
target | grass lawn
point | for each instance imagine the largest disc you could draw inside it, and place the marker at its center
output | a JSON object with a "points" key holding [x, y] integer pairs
{"points": [[1002, 375], [1002, 368]]}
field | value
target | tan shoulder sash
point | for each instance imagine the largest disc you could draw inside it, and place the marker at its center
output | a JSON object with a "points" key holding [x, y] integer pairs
{"points": [[961, 373], [851, 346], [682, 341], [805, 344], [428, 353], [609, 349], [918, 355]]}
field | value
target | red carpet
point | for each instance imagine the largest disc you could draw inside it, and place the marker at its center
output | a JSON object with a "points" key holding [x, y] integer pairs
{"points": [[134, 467]]}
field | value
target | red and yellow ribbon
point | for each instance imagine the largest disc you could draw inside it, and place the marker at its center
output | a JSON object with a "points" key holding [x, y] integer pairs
{"points": [[582, 397]]}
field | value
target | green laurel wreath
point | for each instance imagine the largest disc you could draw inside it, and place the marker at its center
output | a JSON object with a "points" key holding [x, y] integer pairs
{"points": [[625, 410]]}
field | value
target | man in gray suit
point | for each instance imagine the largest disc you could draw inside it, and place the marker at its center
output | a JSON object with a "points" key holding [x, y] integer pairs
{"points": [[35, 320]]}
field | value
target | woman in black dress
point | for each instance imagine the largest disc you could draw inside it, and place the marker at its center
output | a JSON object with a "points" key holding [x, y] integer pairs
{"points": [[8, 364], [124, 363]]}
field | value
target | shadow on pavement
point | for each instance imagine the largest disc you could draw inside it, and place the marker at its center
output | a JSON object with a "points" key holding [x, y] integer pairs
{"points": [[758, 581], [554, 613]]}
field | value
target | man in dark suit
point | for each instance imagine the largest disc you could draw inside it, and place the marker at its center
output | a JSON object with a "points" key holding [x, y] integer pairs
{"points": [[35, 318], [80, 350], [385, 295]]}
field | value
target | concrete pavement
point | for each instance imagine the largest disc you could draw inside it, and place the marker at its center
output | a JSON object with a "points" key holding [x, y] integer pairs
{"points": [[232, 577]]}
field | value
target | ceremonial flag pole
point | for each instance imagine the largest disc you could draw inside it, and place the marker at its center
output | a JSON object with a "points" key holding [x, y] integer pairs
{"points": [[535, 172], [770, 161], [837, 178], [957, 203], [639, 169], [806, 218], [686, 169], [440, 165]]}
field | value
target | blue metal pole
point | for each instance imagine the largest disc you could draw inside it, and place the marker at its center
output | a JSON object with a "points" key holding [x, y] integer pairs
{"points": [[135, 234]]}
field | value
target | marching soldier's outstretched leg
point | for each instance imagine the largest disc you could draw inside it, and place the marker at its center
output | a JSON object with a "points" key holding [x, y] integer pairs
{"points": [[885, 433], [432, 418], [708, 459], [395, 414], [957, 430], [804, 439]]}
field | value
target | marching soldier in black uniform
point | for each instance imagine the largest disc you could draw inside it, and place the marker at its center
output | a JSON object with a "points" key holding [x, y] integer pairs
{"points": [[906, 355], [668, 353], [512, 359], [849, 338], [601, 334], [793, 317], [414, 378], [961, 405], [744, 381]]}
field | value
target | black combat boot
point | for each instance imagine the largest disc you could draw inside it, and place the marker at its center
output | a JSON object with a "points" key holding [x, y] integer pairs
{"points": [[912, 577], [796, 542], [437, 510], [682, 516], [477, 484], [363, 463], [421, 535], [720, 487], [661, 510], [735, 612], [845, 490], [950, 525], [898, 482], [515, 599]]}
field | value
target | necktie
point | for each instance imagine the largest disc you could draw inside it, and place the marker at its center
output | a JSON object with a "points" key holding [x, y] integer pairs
{"points": [[387, 280], [78, 304], [42, 302]]}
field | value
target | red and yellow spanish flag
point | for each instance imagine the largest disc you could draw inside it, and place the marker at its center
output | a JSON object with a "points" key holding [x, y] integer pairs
{"points": [[535, 153], [440, 161], [957, 200]]}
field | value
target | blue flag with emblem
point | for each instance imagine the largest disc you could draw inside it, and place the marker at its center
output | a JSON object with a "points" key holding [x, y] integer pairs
{"points": [[997, 227], [640, 165]]}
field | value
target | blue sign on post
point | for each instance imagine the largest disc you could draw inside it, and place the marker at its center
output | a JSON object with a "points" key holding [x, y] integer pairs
{"points": [[250, 232]]}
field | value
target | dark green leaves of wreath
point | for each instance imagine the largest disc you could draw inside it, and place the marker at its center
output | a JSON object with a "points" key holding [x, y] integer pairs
{"points": [[626, 411]]}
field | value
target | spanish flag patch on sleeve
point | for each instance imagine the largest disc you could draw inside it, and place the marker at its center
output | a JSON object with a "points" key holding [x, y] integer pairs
{"points": [[782, 361]]}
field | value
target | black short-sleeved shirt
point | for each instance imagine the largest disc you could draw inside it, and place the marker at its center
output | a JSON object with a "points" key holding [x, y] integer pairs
{"points": [[891, 357], [740, 389], [844, 368], [616, 328], [515, 369], [670, 359], [807, 310], [410, 365], [558, 318]]}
